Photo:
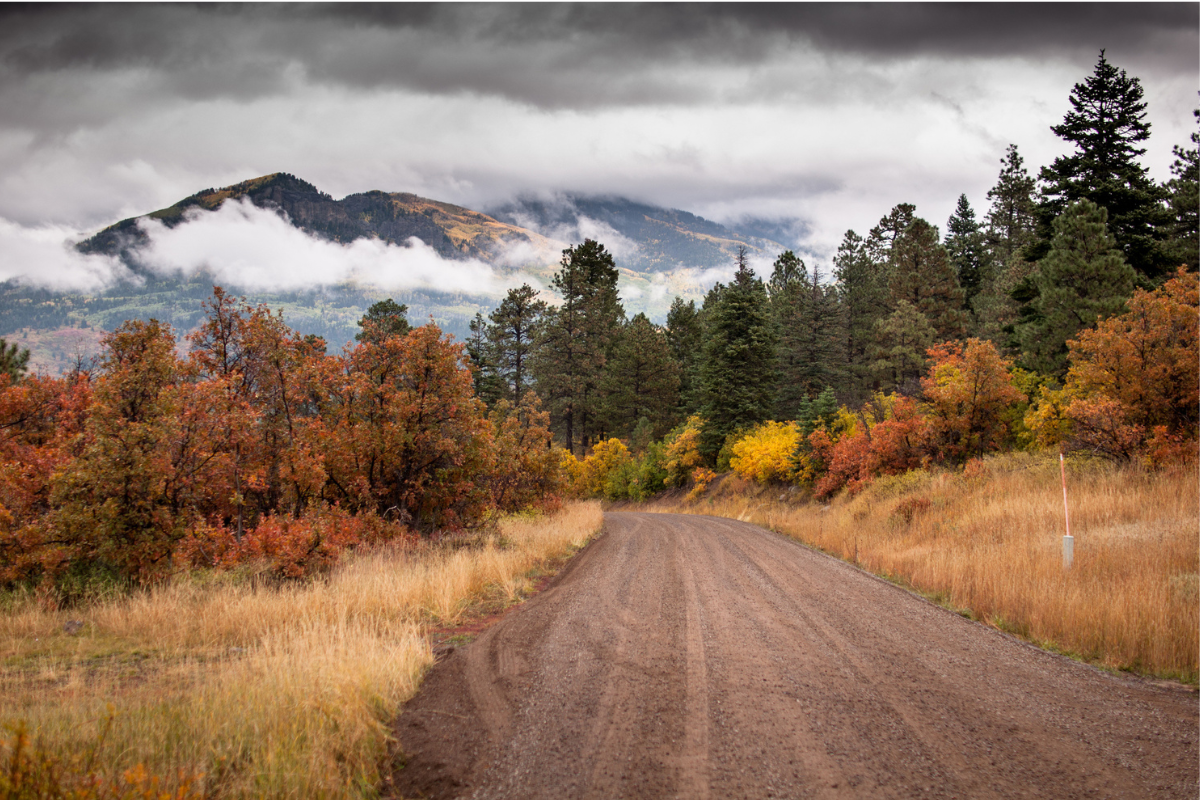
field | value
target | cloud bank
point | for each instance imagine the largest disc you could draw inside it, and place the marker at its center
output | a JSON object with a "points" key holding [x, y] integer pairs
{"points": [[251, 248]]}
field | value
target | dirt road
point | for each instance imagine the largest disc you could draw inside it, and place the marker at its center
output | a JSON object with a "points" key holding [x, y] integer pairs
{"points": [[696, 657]]}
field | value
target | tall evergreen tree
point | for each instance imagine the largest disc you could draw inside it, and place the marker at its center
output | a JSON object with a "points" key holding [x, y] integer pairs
{"points": [[738, 371], [787, 290], [901, 340], [883, 236], [811, 349], [1106, 125], [1010, 228], [1084, 278], [863, 297], [685, 336], [964, 245], [511, 336], [922, 275], [576, 341], [488, 386], [1182, 226], [1010, 225], [641, 381]]}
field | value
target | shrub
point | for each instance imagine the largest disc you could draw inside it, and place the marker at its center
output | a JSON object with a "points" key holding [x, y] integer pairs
{"points": [[765, 454]]}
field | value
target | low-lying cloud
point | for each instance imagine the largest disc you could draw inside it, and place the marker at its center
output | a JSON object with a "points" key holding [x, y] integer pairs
{"points": [[257, 249], [241, 245], [46, 257]]}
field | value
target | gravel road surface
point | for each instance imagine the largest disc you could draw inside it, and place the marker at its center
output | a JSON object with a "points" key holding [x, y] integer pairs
{"points": [[697, 657]]}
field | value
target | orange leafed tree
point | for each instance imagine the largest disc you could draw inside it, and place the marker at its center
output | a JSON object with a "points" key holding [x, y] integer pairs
{"points": [[526, 472], [968, 391], [40, 422], [1134, 381], [405, 436]]}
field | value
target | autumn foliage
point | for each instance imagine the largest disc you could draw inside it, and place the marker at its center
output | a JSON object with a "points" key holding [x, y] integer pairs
{"points": [[255, 445], [1133, 389], [765, 454]]}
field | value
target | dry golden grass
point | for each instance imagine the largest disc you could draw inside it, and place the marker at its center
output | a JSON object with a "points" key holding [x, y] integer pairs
{"points": [[264, 691], [989, 540]]}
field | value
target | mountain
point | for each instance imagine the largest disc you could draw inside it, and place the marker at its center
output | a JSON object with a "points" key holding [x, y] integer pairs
{"points": [[661, 238], [452, 231], [659, 251]]}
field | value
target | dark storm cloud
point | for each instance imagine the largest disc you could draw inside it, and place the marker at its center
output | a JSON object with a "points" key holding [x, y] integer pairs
{"points": [[555, 56]]}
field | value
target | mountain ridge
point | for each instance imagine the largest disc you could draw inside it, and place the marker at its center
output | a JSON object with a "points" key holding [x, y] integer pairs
{"points": [[650, 244]]}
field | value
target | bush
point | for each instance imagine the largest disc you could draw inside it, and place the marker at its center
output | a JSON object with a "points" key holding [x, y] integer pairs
{"points": [[765, 454]]}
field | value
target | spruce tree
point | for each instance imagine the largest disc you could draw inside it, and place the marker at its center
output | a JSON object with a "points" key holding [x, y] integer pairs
{"points": [[1106, 125], [738, 370], [787, 290], [511, 337], [922, 274], [1010, 227], [1084, 278], [685, 336], [863, 297], [811, 345], [964, 245], [641, 381], [576, 340]]}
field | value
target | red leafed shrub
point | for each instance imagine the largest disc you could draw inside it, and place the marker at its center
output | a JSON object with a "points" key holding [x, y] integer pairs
{"points": [[289, 547], [891, 447]]}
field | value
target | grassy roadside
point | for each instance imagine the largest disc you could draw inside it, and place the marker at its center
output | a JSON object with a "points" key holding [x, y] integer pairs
{"points": [[223, 687], [988, 541]]}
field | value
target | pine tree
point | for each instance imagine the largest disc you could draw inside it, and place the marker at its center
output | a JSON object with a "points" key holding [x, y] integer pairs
{"points": [[14, 361], [738, 371], [684, 336], [922, 275], [1011, 222], [1010, 228], [576, 339], [811, 349], [488, 386], [383, 319], [1084, 278], [1106, 125], [1182, 227], [863, 296], [641, 381], [883, 236], [901, 340], [964, 245], [511, 336]]}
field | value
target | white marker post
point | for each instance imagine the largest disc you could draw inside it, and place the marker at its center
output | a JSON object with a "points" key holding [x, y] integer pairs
{"points": [[1068, 540]]}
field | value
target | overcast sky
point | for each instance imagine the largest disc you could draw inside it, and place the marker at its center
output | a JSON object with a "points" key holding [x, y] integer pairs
{"points": [[828, 114]]}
